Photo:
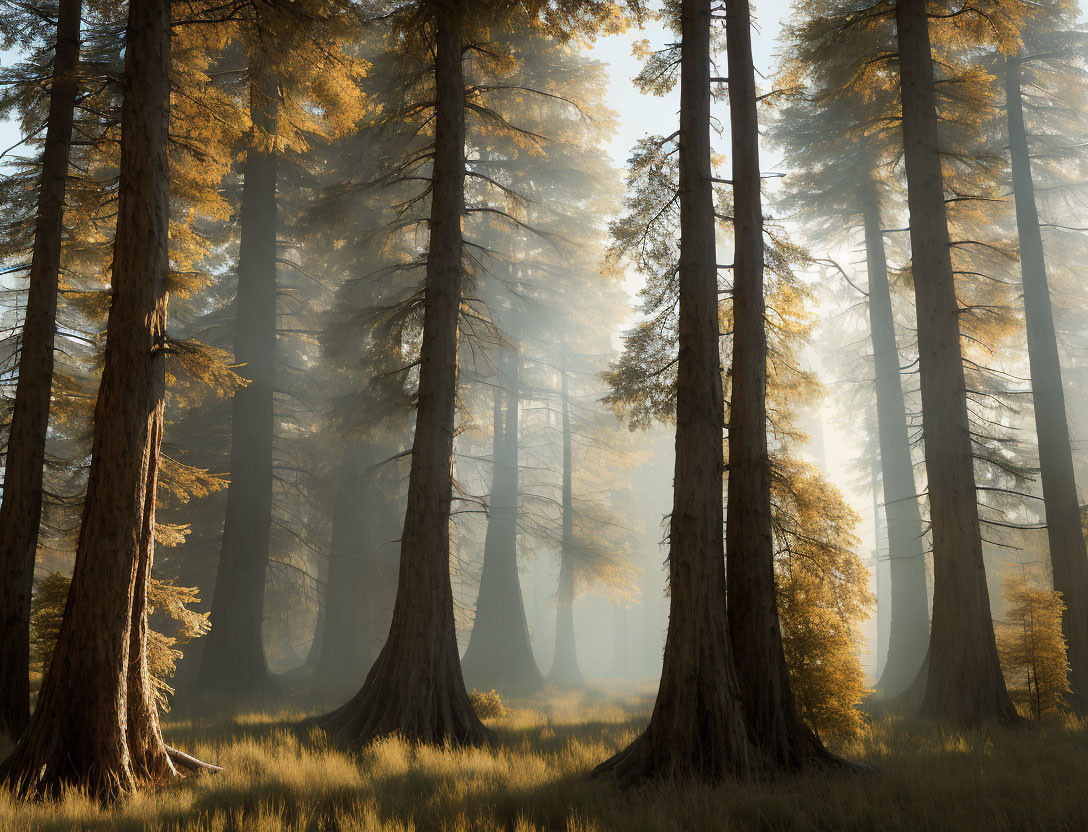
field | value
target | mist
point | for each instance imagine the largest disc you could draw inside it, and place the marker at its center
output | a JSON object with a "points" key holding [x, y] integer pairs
{"points": [[546, 414]]}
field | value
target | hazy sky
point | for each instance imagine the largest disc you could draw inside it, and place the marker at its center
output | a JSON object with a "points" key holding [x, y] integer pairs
{"points": [[641, 114]]}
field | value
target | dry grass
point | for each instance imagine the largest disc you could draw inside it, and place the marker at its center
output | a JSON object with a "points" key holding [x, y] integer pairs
{"points": [[537, 778]]}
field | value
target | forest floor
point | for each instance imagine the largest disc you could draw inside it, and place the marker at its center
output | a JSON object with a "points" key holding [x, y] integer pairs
{"points": [[277, 777]]}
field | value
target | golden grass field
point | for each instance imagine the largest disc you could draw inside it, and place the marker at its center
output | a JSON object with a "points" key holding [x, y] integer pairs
{"points": [[277, 777]]}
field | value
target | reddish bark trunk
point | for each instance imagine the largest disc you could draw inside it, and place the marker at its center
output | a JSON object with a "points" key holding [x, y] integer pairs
{"points": [[21, 508], [963, 678], [92, 707], [150, 758], [774, 723], [415, 688], [697, 727]]}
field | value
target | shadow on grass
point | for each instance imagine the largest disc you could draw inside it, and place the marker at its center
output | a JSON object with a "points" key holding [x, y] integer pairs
{"points": [[537, 778]]}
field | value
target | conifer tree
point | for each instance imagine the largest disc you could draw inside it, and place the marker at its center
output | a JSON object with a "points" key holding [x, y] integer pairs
{"points": [[1053, 43], [534, 297], [499, 655], [952, 176], [645, 384], [964, 680], [96, 725], [1033, 651], [21, 505], [833, 127], [774, 721], [415, 687], [565, 671], [697, 727], [300, 82], [233, 659]]}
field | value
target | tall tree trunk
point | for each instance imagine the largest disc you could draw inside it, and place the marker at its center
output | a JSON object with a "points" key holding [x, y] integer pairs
{"points": [[964, 681], [565, 671], [774, 723], [1068, 557], [91, 707], [233, 660], [21, 508], [415, 688], [345, 650], [150, 759], [697, 727], [499, 655], [908, 637]]}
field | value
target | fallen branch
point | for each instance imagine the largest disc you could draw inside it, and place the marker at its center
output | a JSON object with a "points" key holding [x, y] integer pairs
{"points": [[180, 758]]}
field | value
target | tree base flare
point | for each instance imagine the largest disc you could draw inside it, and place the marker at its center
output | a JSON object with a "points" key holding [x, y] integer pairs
{"points": [[704, 742], [426, 707]]}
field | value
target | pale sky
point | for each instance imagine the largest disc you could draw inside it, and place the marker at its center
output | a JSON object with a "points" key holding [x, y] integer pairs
{"points": [[641, 114]]}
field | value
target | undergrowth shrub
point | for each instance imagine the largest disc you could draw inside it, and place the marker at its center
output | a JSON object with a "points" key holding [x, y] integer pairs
{"points": [[487, 705]]}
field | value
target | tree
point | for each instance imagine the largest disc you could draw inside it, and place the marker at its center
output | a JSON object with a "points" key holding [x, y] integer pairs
{"points": [[96, 725], [964, 682], [1068, 554], [415, 687], [565, 671], [697, 727], [300, 86], [774, 722], [233, 660], [1031, 645], [21, 506], [836, 125], [823, 597], [499, 654], [544, 290]]}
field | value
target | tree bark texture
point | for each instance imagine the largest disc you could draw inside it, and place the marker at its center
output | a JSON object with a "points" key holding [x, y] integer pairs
{"points": [[565, 671], [93, 727], [21, 506], [774, 723], [964, 682], [233, 660], [1069, 560], [499, 654], [908, 636], [697, 727], [415, 688]]}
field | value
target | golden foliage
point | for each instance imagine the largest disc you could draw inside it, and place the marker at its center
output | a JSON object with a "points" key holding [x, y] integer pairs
{"points": [[823, 598], [46, 615], [1031, 645], [487, 705], [173, 603]]}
